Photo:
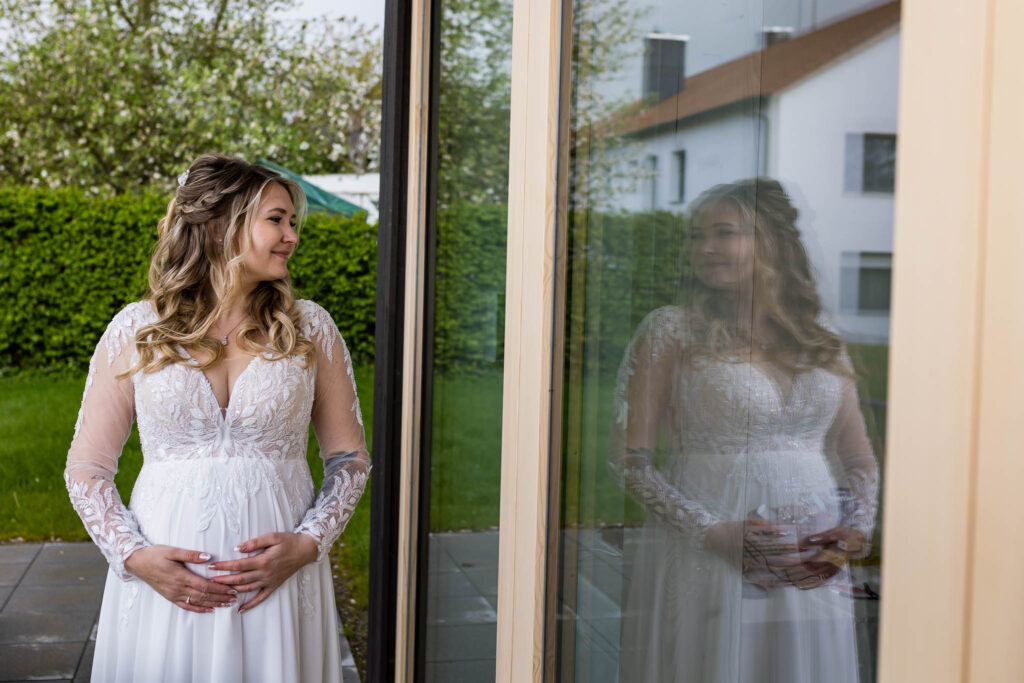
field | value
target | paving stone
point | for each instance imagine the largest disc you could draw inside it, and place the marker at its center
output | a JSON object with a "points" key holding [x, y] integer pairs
{"points": [[484, 580], [453, 610], [5, 592], [49, 661], [45, 628], [473, 671], [473, 550], [79, 597], [11, 572], [349, 674], [84, 674], [19, 552], [461, 643], [65, 571], [450, 584]]}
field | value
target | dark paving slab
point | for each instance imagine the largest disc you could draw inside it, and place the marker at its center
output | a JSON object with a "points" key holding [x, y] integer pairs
{"points": [[49, 661], [461, 643], [46, 628], [84, 674], [473, 671], [55, 599], [19, 552], [11, 572], [5, 593]]}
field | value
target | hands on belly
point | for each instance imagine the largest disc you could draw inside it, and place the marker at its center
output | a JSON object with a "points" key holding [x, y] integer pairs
{"points": [[284, 553]]}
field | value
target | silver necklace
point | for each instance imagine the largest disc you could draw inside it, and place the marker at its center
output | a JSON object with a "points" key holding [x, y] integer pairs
{"points": [[224, 339]]}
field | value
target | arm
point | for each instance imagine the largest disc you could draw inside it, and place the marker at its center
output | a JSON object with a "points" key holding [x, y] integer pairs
{"points": [[338, 423], [642, 398], [104, 422]]}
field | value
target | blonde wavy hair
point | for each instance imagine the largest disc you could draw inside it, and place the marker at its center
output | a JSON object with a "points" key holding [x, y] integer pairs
{"points": [[197, 267], [783, 283]]}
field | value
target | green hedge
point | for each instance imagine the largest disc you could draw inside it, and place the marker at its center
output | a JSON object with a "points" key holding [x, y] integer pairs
{"points": [[70, 262]]}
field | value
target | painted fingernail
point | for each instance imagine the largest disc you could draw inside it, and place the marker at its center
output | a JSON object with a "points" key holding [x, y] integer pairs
{"points": [[204, 556], [233, 591]]}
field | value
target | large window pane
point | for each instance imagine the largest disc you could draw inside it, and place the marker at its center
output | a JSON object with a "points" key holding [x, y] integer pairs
{"points": [[727, 323], [471, 190]]}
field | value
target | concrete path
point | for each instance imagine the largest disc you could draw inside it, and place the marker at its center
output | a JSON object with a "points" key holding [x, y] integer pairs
{"points": [[50, 597]]}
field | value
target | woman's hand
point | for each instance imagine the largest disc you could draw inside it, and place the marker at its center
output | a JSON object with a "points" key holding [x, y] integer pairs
{"points": [[284, 554], [163, 568]]}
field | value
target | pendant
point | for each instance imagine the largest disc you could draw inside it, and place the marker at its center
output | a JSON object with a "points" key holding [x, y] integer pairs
{"points": [[224, 341]]}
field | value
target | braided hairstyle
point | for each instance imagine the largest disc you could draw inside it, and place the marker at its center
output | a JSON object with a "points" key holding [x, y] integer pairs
{"points": [[197, 269], [783, 283]]}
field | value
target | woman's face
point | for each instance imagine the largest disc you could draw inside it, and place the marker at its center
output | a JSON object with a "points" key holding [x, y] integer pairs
{"points": [[722, 247], [273, 237]]}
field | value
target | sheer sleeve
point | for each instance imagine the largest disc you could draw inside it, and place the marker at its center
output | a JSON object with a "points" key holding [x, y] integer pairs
{"points": [[338, 423], [642, 398], [847, 440], [104, 422]]}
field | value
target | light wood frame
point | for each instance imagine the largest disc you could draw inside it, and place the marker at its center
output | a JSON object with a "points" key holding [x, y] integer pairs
{"points": [[412, 361], [535, 264], [953, 599]]}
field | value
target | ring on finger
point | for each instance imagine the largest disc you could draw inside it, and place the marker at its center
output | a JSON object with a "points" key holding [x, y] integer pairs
{"points": [[188, 599]]}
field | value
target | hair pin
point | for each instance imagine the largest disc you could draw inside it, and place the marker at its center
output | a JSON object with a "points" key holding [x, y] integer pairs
{"points": [[183, 178]]}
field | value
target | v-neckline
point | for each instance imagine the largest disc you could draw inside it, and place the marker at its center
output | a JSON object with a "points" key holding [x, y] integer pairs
{"points": [[784, 399], [224, 411]]}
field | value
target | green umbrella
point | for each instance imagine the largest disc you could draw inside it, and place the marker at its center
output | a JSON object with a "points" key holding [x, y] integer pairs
{"points": [[317, 198]]}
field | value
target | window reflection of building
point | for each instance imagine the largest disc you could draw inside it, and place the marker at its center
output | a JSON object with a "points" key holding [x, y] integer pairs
{"points": [[818, 106]]}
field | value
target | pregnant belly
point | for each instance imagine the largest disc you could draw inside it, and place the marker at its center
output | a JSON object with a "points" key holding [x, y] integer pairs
{"points": [[213, 504]]}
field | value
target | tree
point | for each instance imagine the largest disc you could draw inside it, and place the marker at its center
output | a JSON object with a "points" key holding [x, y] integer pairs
{"points": [[114, 95]]}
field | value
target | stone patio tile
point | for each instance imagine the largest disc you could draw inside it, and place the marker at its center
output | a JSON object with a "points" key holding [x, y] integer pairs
{"points": [[19, 552], [461, 643], [46, 628], [84, 674], [452, 610], [474, 550], [53, 661], [79, 597], [65, 571], [349, 674], [5, 592], [11, 572], [475, 671], [485, 580], [446, 584]]}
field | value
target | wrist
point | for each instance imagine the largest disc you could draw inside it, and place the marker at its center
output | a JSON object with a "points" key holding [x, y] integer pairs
{"points": [[310, 547]]}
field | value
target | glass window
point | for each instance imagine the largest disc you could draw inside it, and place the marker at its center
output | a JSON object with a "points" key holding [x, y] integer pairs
{"points": [[465, 352], [726, 358]]}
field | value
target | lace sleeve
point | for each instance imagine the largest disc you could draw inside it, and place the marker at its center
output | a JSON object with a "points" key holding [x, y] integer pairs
{"points": [[848, 440], [642, 397], [104, 422], [338, 423]]}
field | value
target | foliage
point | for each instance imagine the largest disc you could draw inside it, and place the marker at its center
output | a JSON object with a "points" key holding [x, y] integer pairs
{"points": [[114, 96], [71, 261]]}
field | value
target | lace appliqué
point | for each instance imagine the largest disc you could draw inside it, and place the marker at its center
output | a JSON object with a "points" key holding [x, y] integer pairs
{"points": [[321, 330], [344, 481]]}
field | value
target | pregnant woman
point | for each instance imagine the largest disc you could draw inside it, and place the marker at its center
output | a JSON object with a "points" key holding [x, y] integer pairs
{"points": [[737, 426], [218, 567]]}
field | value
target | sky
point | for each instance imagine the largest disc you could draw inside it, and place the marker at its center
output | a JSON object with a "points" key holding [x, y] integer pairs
{"points": [[369, 12]]}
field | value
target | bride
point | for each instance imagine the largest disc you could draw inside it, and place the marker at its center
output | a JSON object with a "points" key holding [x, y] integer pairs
{"points": [[218, 567], [763, 483]]}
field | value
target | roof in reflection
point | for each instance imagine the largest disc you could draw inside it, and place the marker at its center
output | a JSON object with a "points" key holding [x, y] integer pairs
{"points": [[767, 71]]}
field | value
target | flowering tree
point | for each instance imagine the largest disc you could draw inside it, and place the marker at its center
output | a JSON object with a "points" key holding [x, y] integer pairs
{"points": [[113, 95]]}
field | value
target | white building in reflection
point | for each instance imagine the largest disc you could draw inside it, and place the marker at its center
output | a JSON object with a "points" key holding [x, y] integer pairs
{"points": [[820, 108]]}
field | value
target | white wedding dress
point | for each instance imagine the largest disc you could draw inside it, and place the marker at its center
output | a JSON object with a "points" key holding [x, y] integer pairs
{"points": [[211, 480], [735, 443]]}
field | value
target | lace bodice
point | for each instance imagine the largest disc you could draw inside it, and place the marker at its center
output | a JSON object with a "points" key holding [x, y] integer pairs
{"points": [[731, 427], [179, 419]]}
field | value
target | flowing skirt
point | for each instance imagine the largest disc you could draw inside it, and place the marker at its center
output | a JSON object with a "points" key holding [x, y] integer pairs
{"points": [[212, 505]]}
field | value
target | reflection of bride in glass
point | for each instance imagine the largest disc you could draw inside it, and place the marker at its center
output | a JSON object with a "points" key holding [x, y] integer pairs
{"points": [[737, 426]]}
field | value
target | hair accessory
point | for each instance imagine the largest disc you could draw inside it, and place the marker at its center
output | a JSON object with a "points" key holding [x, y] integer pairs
{"points": [[183, 178]]}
